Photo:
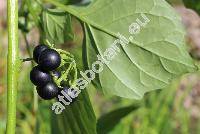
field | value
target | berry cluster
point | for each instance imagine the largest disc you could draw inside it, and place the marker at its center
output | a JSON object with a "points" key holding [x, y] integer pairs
{"points": [[48, 60], [56, 71]]}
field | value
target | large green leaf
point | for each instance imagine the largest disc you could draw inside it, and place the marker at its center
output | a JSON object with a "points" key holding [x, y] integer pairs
{"points": [[77, 118], [57, 26], [108, 121], [155, 56]]}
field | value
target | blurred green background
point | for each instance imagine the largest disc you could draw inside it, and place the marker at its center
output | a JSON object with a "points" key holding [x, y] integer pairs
{"points": [[175, 109]]}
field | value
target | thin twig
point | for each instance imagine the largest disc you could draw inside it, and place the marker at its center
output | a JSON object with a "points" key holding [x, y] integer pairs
{"points": [[28, 50]]}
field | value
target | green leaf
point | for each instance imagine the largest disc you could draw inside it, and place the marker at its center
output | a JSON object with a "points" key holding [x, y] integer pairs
{"points": [[125, 126], [148, 62], [193, 4], [77, 118], [155, 56], [57, 26], [107, 122]]}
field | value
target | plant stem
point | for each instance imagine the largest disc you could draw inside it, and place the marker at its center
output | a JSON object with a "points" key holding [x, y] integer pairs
{"points": [[13, 64], [28, 49], [27, 59], [67, 9]]}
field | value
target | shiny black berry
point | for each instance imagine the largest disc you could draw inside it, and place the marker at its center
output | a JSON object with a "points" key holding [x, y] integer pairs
{"points": [[49, 59], [39, 77], [38, 50], [48, 91]]}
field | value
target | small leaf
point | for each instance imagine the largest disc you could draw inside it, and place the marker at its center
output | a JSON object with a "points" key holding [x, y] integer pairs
{"points": [[57, 26], [107, 122]]}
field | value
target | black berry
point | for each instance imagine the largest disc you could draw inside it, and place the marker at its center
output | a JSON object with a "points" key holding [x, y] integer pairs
{"points": [[37, 51], [48, 91], [39, 77], [49, 59]]}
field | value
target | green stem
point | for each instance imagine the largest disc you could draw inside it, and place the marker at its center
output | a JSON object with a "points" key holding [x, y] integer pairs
{"points": [[64, 7], [71, 10], [27, 59], [28, 49], [13, 64], [35, 100]]}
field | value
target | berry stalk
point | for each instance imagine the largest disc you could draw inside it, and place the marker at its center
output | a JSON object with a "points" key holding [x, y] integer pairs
{"points": [[13, 64]]}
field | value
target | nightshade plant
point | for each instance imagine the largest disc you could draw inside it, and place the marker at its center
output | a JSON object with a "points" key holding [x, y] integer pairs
{"points": [[151, 61]]}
